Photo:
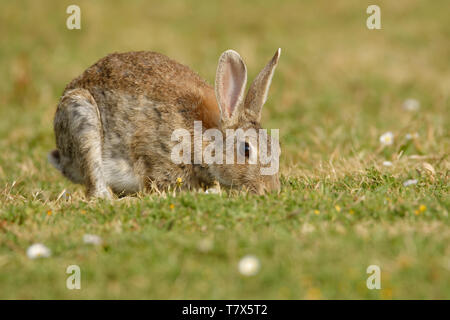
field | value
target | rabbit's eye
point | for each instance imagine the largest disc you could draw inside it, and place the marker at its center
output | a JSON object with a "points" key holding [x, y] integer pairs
{"points": [[245, 149]]}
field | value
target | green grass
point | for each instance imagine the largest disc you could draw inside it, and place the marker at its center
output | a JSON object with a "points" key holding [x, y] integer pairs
{"points": [[338, 87]]}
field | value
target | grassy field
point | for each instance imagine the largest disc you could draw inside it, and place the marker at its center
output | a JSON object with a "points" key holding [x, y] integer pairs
{"points": [[338, 88]]}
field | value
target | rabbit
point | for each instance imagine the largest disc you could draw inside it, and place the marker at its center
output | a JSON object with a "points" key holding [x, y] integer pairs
{"points": [[114, 123]]}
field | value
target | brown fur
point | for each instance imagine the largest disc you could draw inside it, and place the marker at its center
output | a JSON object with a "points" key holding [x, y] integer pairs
{"points": [[114, 123]]}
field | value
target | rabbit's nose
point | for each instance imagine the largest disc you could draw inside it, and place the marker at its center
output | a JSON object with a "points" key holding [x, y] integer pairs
{"points": [[261, 190], [258, 189]]}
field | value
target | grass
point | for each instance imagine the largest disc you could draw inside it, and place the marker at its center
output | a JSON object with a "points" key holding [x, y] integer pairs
{"points": [[339, 86]]}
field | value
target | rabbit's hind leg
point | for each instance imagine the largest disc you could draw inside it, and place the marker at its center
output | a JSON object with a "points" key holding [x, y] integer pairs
{"points": [[78, 131]]}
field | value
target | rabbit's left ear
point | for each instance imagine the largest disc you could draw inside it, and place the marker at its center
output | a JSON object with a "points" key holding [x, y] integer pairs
{"points": [[257, 94], [231, 78]]}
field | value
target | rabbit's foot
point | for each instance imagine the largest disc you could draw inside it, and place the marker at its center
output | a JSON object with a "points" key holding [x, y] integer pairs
{"points": [[99, 192]]}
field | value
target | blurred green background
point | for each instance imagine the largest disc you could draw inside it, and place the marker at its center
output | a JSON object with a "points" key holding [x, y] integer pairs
{"points": [[338, 87]]}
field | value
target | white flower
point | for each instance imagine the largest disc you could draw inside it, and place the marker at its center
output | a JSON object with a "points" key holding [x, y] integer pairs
{"points": [[409, 182], [92, 239], [387, 163], [387, 139], [38, 250], [411, 105], [212, 191], [410, 136], [249, 265]]}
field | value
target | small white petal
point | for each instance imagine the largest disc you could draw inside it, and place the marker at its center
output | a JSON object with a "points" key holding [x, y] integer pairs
{"points": [[410, 136], [38, 250], [212, 191], [249, 265], [92, 239], [411, 105], [387, 163], [410, 182]]}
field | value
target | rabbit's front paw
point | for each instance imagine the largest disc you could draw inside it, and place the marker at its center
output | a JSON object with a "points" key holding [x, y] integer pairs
{"points": [[100, 193]]}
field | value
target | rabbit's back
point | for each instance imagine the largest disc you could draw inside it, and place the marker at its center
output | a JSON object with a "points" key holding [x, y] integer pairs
{"points": [[126, 85], [142, 73]]}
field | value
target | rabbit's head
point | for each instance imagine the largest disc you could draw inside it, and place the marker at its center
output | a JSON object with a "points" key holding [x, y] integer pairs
{"points": [[255, 161]]}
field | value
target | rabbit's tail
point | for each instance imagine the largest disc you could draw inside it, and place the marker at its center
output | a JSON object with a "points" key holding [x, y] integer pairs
{"points": [[55, 159]]}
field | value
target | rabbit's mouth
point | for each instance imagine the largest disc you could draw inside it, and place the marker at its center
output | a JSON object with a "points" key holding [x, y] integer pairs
{"points": [[269, 184], [262, 186]]}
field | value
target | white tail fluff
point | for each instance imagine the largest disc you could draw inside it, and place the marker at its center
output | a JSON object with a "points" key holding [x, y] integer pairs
{"points": [[55, 159]]}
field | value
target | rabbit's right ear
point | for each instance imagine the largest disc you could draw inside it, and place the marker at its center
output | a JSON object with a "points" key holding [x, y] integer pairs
{"points": [[257, 93], [231, 79]]}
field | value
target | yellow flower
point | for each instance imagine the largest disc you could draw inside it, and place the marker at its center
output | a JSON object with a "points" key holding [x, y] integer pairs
{"points": [[338, 208], [351, 211], [172, 206], [49, 212], [179, 180], [422, 208], [83, 211], [316, 212], [416, 212]]}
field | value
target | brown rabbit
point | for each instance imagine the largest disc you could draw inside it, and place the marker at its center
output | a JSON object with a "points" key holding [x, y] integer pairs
{"points": [[114, 123]]}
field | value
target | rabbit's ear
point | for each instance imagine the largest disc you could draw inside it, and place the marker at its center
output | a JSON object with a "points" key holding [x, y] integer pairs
{"points": [[257, 94], [231, 79]]}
